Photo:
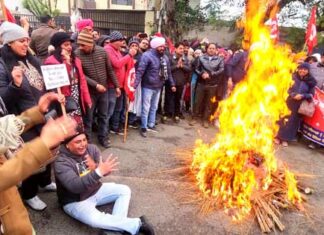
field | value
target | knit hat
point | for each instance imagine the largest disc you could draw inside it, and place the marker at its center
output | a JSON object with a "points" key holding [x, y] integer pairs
{"points": [[85, 38], [116, 36], [81, 24], [59, 38], [304, 66], [157, 42], [10, 32], [133, 40]]}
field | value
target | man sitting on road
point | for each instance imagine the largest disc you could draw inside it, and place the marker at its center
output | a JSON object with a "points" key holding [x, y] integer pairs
{"points": [[78, 169]]}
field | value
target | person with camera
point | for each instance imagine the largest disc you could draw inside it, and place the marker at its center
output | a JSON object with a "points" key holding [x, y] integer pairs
{"points": [[18, 161], [78, 169]]}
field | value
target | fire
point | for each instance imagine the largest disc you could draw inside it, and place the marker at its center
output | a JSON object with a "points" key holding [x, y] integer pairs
{"points": [[292, 193], [227, 170]]}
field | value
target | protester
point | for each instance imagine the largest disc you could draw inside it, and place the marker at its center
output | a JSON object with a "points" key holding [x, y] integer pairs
{"points": [[41, 37], [100, 75], [180, 68], [78, 169], [317, 71], [103, 40], [82, 24], [96, 36], [194, 78], [144, 45], [21, 86], [77, 95], [119, 63], [18, 161], [210, 68], [302, 89], [153, 71]]}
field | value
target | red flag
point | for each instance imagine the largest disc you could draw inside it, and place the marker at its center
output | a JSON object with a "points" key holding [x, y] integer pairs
{"points": [[311, 39], [7, 14], [130, 80], [170, 45], [274, 32]]}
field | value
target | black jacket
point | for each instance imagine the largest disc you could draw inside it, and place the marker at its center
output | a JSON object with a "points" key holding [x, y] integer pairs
{"points": [[180, 75], [214, 66]]}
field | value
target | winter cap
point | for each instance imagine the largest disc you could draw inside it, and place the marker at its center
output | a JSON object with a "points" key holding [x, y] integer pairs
{"points": [[59, 38], [133, 40], [157, 42], [85, 38], [304, 66], [81, 24], [317, 56], [10, 32], [116, 36]]}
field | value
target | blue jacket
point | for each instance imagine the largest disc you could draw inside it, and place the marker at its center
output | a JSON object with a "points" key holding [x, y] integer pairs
{"points": [[236, 66], [148, 71]]}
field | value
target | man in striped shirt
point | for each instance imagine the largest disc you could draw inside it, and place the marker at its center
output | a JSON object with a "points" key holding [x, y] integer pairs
{"points": [[102, 82]]}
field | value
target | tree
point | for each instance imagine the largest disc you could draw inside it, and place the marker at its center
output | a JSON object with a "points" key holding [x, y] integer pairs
{"points": [[180, 18], [41, 7]]}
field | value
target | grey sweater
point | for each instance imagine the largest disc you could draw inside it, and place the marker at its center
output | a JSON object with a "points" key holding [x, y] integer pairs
{"points": [[71, 186]]}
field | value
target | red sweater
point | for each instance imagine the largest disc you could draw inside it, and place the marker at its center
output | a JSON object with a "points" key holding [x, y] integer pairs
{"points": [[118, 62], [66, 90]]}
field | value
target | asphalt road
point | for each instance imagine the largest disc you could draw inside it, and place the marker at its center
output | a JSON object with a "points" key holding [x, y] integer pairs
{"points": [[145, 166]]}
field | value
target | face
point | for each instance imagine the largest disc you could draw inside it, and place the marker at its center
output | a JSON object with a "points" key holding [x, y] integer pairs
{"points": [[186, 50], [134, 46], [322, 59], [78, 145], [118, 44], [160, 50], [180, 50], [95, 35], [67, 46], [20, 46], [197, 54], [85, 48], [211, 51], [52, 23], [144, 45], [302, 72]]}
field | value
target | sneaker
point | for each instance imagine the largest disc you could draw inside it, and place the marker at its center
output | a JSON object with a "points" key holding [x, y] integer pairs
{"points": [[143, 132], [146, 228], [105, 143], [50, 187], [134, 125], [164, 119], [152, 129], [36, 204], [312, 146], [177, 119], [117, 131]]}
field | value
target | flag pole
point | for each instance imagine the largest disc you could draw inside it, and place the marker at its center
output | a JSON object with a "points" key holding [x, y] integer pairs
{"points": [[4, 12], [126, 119]]}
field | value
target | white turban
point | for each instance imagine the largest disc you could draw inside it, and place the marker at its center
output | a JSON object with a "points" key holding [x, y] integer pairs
{"points": [[157, 42]]}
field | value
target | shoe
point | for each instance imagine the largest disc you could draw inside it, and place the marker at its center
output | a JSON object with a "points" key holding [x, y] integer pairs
{"points": [[181, 116], [164, 119], [134, 125], [312, 146], [105, 143], [50, 187], [205, 124], [176, 119], [143, 132], [117, 131], [152, 129], [110, 232], [146, 228], [284, 143], [192, 122], [36, 204]]}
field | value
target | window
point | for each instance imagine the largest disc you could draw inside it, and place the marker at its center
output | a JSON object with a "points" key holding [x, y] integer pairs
{"points": [[122, 2]]}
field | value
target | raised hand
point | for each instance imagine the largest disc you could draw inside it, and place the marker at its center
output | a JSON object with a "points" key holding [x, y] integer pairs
{"points": [[108, 166], [17, 75], [45, 101]]}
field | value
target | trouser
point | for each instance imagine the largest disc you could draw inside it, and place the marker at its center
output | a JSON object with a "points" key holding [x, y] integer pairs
{"points": [[150, 101], [86, 211], [111, 105], [100, 102], [203, 100], [173, 100], [193, 86], [119, 109]]}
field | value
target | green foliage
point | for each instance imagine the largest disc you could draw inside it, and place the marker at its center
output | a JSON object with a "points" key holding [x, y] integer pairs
{"points": [[295, 37], [41, 7]]}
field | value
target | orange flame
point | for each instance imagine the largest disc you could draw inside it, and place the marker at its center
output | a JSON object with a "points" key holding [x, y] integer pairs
{"points": [[292, 193], [248, 122]]}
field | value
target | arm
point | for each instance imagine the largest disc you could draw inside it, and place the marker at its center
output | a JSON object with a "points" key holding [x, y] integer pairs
{"points": [[199, 68], [141, 69], [92, 83], [186, 66], [220, 68], [111, 72], [172, 83], [115, 61]]}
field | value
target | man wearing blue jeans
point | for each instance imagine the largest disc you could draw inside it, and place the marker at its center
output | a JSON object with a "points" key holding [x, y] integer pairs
{"points": [[78, 169], [153, 71]]}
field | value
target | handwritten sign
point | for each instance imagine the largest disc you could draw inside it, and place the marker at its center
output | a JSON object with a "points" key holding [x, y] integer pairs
{"points": [[55, 76]]}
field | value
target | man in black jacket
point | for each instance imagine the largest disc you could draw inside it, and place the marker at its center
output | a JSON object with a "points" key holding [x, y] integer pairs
{"points": [[78, 170]]}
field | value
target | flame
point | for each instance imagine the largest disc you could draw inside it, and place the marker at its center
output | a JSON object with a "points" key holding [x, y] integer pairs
{"points": [[248, 121], [292, 193]]}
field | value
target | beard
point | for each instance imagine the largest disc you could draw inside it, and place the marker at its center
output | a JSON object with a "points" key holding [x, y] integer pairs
{"points": [[161, 51]]}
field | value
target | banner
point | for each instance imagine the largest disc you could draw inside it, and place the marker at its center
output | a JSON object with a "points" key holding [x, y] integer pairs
{"points": [[313, 127]]}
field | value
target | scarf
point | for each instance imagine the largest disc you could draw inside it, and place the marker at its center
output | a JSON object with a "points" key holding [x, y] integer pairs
{"points": [[163, 73]]}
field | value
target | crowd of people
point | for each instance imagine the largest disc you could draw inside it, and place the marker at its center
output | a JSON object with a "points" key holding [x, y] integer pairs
{"points": [[114, 79]]}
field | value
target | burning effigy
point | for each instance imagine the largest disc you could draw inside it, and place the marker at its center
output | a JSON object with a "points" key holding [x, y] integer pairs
{"points": [[239, 171]]}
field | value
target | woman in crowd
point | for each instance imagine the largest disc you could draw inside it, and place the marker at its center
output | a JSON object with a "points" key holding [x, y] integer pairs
{"points": [[21, 86], [77, 93], [302, 89]]}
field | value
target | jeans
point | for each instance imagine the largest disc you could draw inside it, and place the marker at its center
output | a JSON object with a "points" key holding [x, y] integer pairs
{"points": [[119, 109], [111, 104], [99, 102], [193, 85], [150, 101], [86, 211]]}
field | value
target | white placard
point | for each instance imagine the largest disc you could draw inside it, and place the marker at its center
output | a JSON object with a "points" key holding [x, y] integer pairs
{"points": [[55, 76]]}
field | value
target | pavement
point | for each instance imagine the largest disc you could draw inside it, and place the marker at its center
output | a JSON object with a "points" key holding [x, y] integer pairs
{"points": [[146, 166]]}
